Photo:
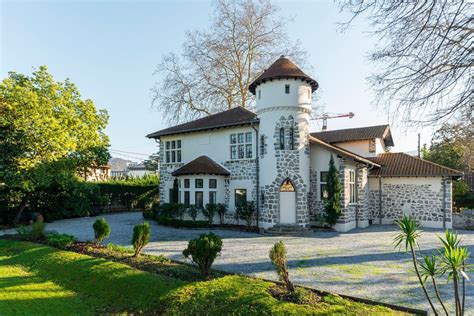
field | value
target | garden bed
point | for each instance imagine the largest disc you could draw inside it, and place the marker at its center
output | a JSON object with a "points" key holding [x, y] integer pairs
{"points": [[100, 276]]}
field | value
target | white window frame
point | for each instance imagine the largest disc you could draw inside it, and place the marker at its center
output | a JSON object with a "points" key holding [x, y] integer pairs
{"points": [[175, 151], [352, 187], [241, 142]]}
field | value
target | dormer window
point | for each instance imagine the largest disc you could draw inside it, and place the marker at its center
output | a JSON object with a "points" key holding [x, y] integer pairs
{"points": [[287, 89]]}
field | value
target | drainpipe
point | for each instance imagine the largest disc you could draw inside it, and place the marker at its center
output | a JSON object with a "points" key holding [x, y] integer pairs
{"points": [[380, 200], [257, 167], [444, 202], [356, 185]]}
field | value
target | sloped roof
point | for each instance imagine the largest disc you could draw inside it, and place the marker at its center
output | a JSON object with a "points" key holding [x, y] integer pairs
{"points": [[342, 151], [232, 117], [404, 165], [283, 67], [201, 165], [358, 133]]}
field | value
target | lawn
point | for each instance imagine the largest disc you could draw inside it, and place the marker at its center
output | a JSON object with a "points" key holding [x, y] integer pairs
{"points": [[37, 280]]}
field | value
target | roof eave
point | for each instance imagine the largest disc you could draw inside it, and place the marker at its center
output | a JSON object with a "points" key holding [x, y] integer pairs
{"points": [[344, 152], [156, 135]]}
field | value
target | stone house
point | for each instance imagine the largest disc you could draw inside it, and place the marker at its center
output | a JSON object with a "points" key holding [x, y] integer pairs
{"points": [[270, 157]]}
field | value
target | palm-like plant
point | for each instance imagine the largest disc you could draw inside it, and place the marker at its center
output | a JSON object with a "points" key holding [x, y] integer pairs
{"points": [[429, 268], [410, 232], [453, 260]]}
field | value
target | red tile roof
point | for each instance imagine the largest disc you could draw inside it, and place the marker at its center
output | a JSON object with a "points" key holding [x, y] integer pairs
{"points": [[358, 133], [404, 165], [282, 68], [201, 165], [342, 152], [232, 117]]}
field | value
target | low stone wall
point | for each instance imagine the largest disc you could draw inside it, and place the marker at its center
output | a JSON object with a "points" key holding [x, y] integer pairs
{"points": [[464, 220]]}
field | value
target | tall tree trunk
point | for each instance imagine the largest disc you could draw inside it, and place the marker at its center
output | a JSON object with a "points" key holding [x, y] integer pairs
{"points": [[421, 281], [439, 296], [21, 208]]}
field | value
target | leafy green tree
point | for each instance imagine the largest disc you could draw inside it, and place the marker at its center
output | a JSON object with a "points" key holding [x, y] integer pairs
{"points": [[48, 132], [332, 203]]}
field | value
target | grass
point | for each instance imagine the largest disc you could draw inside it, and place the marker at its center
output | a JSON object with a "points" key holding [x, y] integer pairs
{"points": [[37, 280]]}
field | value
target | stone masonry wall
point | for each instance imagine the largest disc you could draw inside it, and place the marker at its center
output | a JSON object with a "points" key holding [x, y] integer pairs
{"points": [[421, 201], [288, 167]]}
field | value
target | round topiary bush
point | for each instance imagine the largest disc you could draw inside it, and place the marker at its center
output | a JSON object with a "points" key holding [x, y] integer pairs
{"points": [[101, 230]]}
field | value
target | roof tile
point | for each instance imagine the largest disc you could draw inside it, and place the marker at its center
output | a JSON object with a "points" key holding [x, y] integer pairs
{"points": [[232, 117], [358, 133], [201, 165], [404, 165]]}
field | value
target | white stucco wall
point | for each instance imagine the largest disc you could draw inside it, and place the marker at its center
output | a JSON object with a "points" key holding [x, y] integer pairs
{"points": [[361, 147]]}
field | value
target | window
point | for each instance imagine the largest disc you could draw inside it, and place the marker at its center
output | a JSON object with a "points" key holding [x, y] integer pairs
{"points": [[212, 183], [186, 198], [372, 146], [259, 94], [212, 197], [240, 197], [173, 151], [282, 138], [262, 144], [241, 146], [287, 89], [198, 183], [322, 184], [292, 139], [352, 188], [186, 183], [309, 93], [198, 198]]}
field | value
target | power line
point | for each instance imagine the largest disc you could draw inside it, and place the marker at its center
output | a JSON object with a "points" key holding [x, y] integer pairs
{"points": [[129, 152], [125, 155]]}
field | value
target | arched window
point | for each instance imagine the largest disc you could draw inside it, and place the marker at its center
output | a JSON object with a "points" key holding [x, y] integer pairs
{"points": [[292, 139], [282, 138]]}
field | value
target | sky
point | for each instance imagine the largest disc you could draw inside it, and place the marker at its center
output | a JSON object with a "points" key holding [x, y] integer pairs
{"points": [[110, 50]]}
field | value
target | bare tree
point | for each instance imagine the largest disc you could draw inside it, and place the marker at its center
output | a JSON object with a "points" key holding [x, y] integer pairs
{"points": [[424, 54], [218, 64]]}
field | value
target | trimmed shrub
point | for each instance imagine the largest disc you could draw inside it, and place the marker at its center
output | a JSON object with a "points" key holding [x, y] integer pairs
{"points": [[221, 210], [203, 251], [60, 240], [33, 232], [193, 211], [210, 211], [141, 236], [247, 212], [179, 223], [101, 230], [278, 257]]}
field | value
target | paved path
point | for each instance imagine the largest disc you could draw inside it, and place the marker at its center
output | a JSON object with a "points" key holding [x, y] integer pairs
{"points": [[360, 263]]}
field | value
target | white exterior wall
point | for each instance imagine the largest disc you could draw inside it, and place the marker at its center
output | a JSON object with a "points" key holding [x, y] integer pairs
{"points": [[361, 147], [216, 145]]}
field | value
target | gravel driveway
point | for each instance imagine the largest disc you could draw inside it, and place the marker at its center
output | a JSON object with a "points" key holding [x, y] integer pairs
{"points": [[360, 263]]}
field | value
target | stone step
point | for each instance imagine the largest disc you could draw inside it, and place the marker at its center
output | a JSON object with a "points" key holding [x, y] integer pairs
{"points": [[287, 230]]}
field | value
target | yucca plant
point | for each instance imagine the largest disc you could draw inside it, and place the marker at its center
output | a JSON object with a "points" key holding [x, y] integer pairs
{"points": [[410, 232], [453, 262], [429, 268]]}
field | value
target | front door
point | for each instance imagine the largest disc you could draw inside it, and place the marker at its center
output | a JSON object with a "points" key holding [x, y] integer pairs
{"points": [[287, 203]]}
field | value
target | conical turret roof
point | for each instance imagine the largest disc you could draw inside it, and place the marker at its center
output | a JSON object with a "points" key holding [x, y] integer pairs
{"points": [[283, 67]]}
